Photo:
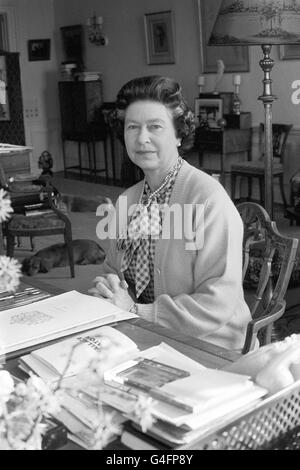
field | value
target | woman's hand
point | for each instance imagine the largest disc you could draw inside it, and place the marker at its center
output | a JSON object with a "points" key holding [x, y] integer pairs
{"points": [[112, 289]]}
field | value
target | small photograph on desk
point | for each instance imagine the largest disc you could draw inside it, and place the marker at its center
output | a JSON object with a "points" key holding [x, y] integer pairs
{"points": [[208, 111]]}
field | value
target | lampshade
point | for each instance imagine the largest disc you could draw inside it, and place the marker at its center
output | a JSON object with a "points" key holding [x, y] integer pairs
{"points": [[256, 22]]}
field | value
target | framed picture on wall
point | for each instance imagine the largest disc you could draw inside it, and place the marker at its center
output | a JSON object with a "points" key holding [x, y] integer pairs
{"points": [[39, 49], [289, 52], [72, 41], [160, 37], [235, 58], [4, 103]]}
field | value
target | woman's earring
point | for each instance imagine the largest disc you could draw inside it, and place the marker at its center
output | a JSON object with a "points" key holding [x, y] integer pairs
{"points": [[179, 143]]}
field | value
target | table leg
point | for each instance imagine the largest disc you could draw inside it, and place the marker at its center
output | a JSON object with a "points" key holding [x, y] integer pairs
{"points": [[223, 174]]}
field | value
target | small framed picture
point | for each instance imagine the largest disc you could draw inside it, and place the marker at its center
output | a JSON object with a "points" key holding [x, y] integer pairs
{"points": [[208, 111], [4, 103], [160, 37], [72, 41], [289, 52], [227, 97], [39, 49]]}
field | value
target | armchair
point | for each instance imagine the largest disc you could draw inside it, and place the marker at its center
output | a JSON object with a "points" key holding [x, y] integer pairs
{"points": [[255, 169], [266, 302]]}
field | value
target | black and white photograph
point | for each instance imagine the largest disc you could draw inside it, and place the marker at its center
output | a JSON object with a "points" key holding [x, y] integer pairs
{"points": [[209, 111], [4, 99], [149, 228], [39, 49]]}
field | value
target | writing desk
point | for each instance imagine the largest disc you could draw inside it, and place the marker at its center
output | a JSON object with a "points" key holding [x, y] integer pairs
{"points": [[223, 142], [275, 421], [145, 334]]}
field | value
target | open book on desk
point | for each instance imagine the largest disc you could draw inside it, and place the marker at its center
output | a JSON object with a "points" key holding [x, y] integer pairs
{"points": [[53, 318], [69, 356]]}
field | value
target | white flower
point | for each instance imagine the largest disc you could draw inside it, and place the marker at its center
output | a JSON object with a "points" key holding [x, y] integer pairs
{"points": [[5, 206], [6, 385], [143, 412], [104, 430], [10, 273]]}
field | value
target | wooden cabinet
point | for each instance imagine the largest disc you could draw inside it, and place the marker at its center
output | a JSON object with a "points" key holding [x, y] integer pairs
{"points": [[82, 121], [79, 105]]}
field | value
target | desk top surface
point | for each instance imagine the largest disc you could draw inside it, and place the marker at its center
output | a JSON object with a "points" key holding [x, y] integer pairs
{"points": [[7, 149], [147, 334]]}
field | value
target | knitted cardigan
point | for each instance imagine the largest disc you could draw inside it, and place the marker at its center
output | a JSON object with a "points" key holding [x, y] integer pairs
{"points": [[197, 291]]}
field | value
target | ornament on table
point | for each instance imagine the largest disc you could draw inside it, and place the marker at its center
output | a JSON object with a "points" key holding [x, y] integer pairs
{"points": [[236, 106], [220, 73], [46, 163], [201, 83]]}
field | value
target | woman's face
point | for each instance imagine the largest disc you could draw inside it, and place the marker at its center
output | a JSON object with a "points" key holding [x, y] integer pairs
{"points": [[150, 136]]}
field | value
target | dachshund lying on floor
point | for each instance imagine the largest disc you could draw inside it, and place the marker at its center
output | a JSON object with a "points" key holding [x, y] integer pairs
{"points": [[84, 252]]}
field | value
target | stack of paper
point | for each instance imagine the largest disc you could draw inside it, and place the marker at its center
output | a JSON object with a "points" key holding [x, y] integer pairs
{"points": [[188, 407], [88, 76], [81, 416]]}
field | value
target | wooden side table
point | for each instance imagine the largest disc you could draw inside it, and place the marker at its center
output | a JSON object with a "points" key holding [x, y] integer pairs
{"points": [[222, 142]]}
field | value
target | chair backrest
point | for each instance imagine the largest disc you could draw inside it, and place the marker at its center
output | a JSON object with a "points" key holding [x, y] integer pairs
{"points": [[280, 134], [271, 257]]}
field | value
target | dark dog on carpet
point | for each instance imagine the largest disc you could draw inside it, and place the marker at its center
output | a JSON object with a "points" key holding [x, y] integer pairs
{"points": [[84, 252]]}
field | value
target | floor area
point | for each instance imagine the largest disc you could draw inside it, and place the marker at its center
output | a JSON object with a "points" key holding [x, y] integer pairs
{"points": [[82, 199]]}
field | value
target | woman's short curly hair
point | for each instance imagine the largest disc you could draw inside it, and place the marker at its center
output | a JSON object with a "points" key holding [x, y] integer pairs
{"points": [[163, 90]]}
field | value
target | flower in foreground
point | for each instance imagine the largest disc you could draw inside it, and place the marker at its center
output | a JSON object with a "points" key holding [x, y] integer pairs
{"points": [[6, 386], [143, 412], [10, 273], [5, 206], [22, 408]]}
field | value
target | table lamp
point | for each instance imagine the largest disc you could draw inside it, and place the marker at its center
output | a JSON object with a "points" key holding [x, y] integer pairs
{"points": [[260, 22]]}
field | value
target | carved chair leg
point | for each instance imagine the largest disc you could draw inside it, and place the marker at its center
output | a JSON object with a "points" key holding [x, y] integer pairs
{"points": [[105, 158], [249, 188], [32, 243], [233, 185], [262, 191], [282, 191], [68, 241], [10, 245]]}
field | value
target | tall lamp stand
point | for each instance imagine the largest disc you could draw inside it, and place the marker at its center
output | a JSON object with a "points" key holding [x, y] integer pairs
{"points": [[267, 98]]}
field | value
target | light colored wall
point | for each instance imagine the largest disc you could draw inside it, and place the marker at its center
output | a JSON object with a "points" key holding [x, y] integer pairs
{"points": [[125, 58], [34, 19]]}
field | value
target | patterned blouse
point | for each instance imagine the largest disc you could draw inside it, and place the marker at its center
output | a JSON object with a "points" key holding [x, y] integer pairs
{"points": [[145, 227]]}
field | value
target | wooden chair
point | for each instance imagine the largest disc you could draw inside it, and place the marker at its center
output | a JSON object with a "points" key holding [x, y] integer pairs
{"points": [[51, 222], [266, 300], [255, 169]]}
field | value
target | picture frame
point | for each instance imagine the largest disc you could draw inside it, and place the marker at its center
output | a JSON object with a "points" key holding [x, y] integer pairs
{"points": [[235, 58], [4, 98], [72, 42], [227, 97], [208, 111], [39, 49], [160, 37], [289, 52]]}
